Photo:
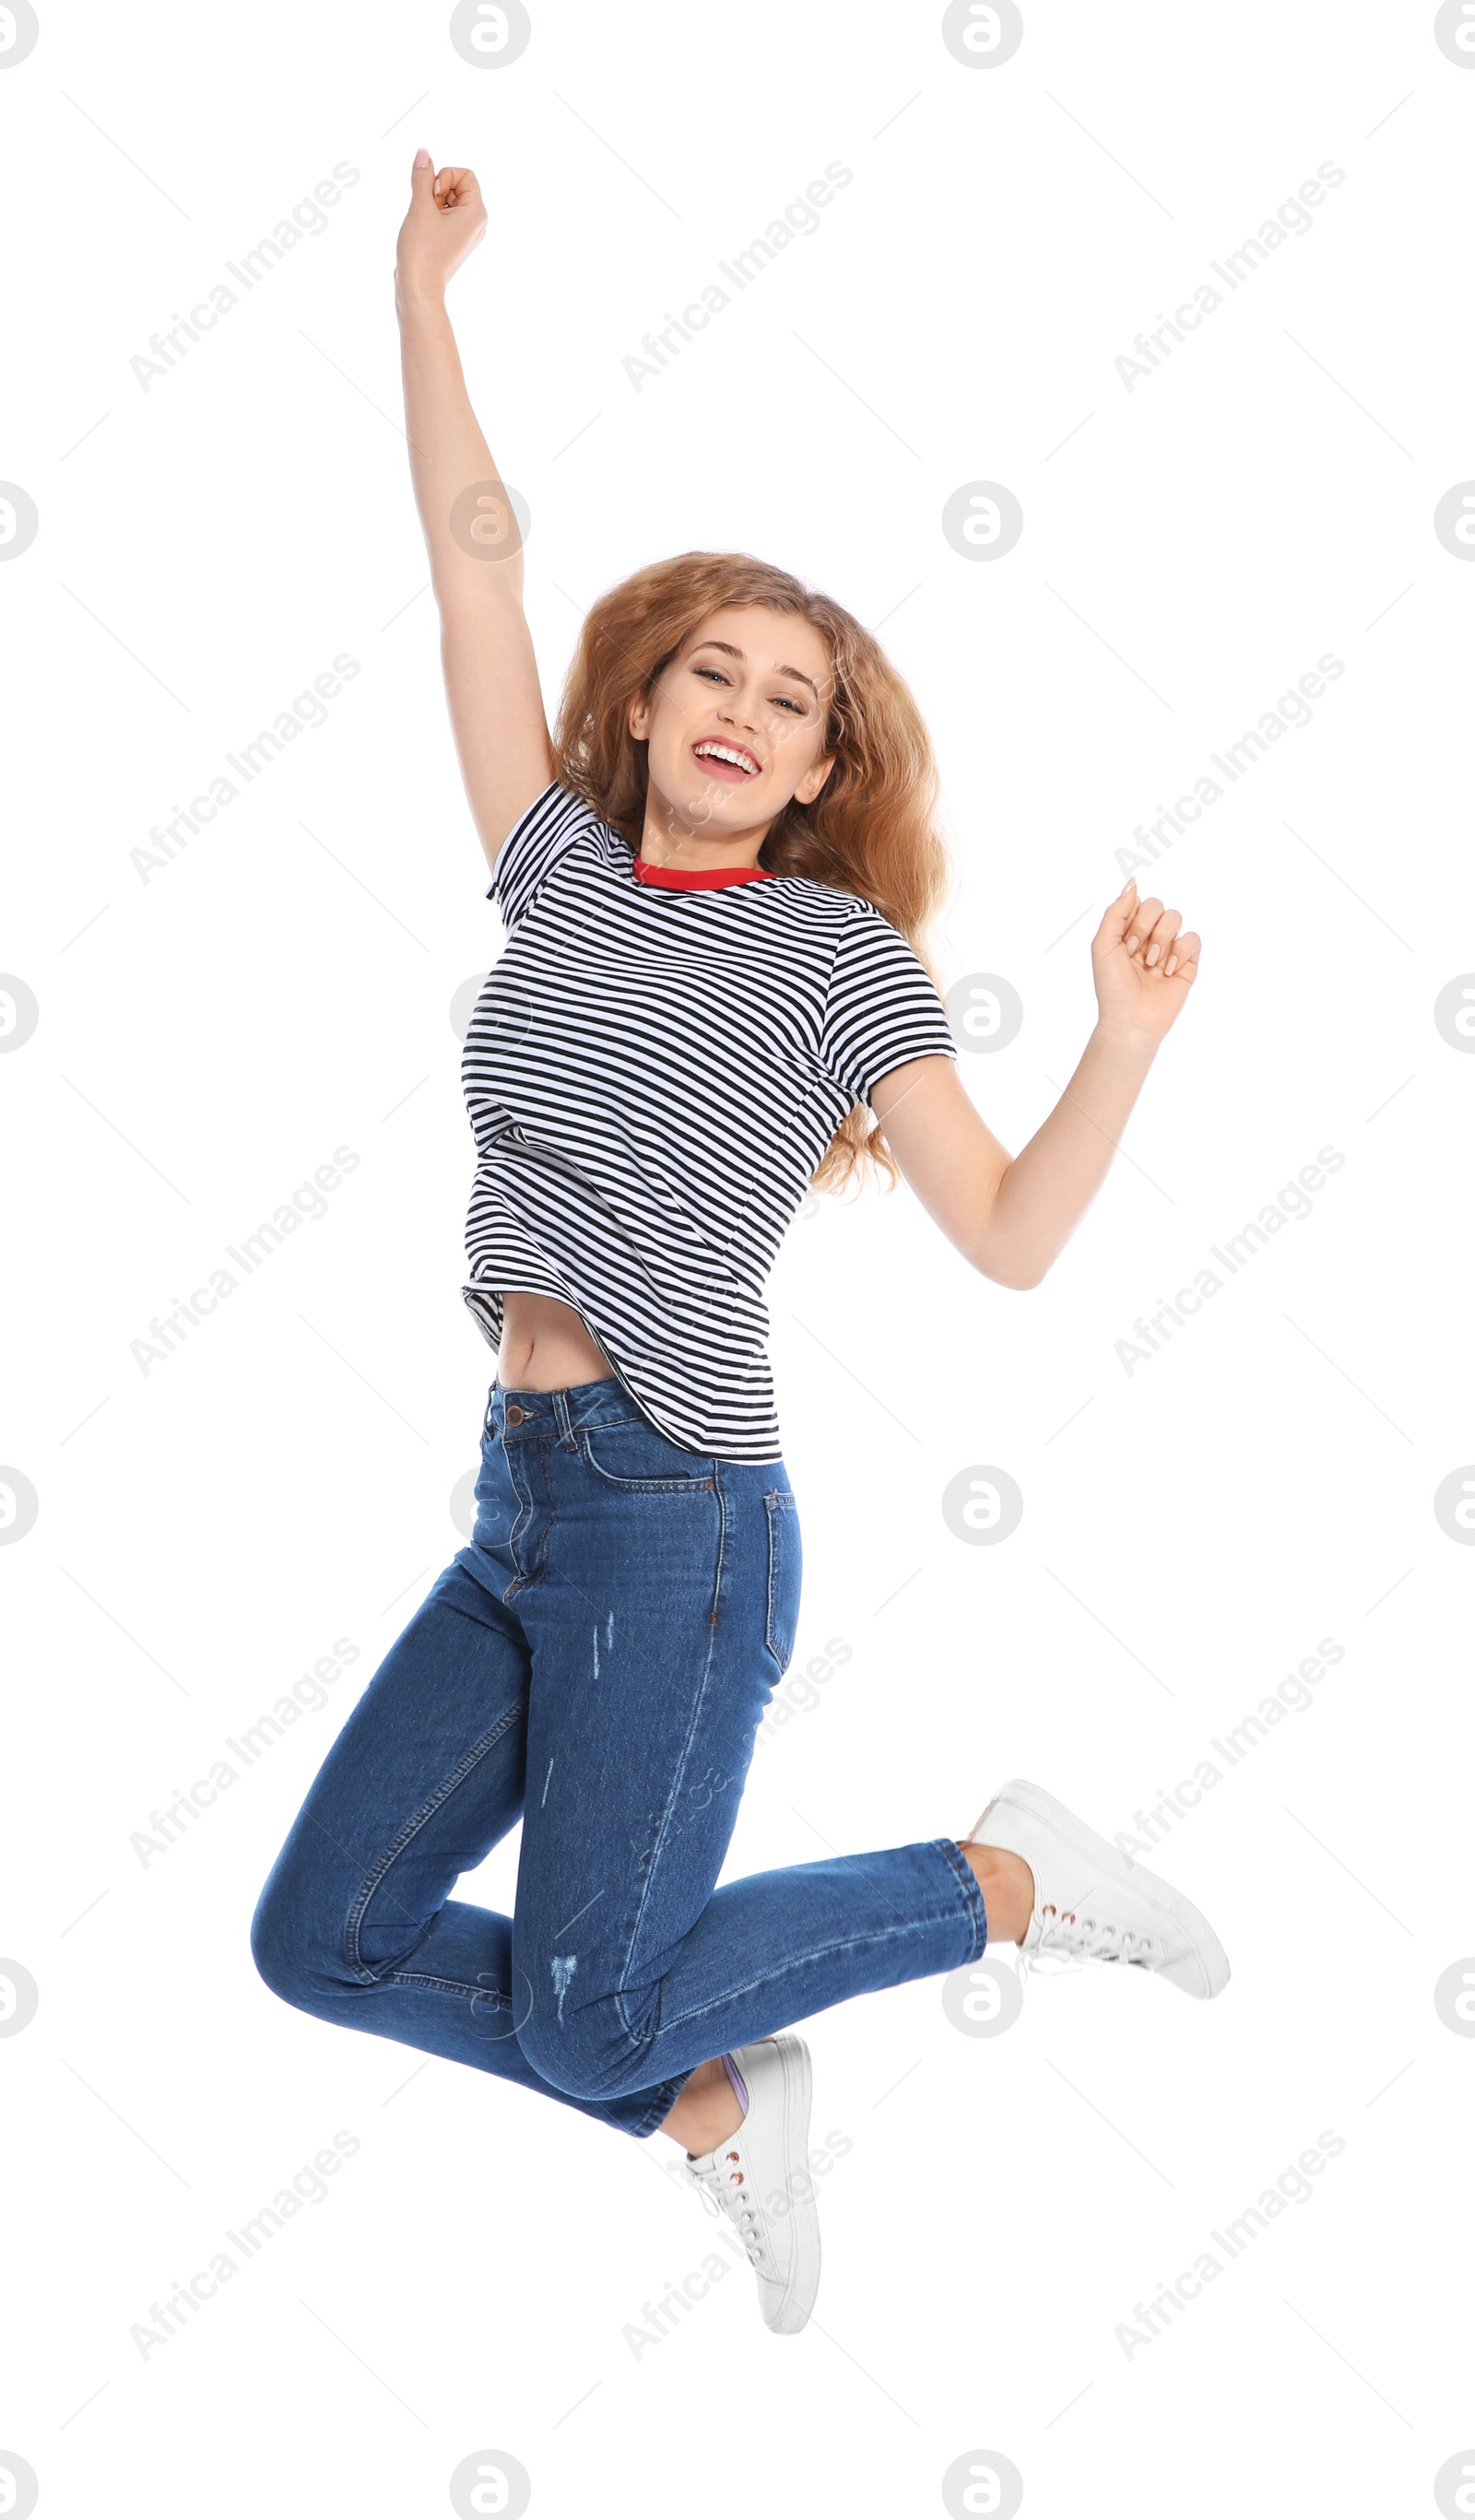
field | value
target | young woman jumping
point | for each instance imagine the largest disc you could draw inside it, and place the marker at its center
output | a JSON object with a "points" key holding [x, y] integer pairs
{"points": [[715, 879]]}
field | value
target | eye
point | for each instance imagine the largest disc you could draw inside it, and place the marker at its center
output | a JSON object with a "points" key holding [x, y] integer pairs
{"points": [[714, 670], [782, 700]]}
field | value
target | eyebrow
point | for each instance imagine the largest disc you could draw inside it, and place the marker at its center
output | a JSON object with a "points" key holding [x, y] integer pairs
{"points": [[728, 650]]}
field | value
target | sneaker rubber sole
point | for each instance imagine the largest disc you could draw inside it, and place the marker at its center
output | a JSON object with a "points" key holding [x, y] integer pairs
{"points": [[803, 2285]]}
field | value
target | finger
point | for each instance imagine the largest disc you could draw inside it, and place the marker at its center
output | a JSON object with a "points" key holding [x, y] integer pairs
{"points": [[1160, 943], [1182, 957], [1142, 923], [1117, 914], [422, 176], [453, 185]]}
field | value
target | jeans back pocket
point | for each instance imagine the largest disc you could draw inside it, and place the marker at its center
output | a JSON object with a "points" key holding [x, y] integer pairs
{"points": [[786, 1575]]}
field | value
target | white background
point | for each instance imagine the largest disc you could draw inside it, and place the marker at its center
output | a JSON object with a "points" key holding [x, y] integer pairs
{"points": [[1191, 1529]]}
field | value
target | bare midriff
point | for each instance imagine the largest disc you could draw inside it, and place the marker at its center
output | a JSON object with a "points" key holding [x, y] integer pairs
{"points": [[545, 1345]]}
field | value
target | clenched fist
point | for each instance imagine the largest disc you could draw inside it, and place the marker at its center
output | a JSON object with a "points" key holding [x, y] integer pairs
{"points": [[1144, 966], [445, 220]]}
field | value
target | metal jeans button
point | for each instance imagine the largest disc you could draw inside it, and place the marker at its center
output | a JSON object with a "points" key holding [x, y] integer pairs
{"points": [[514, 1415]]}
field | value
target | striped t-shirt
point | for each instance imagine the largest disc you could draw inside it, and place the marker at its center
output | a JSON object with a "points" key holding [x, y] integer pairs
{"points": [[654, 1070]]}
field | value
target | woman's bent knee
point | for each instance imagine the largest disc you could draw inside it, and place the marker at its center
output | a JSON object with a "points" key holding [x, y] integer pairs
{"points": [[589, 2057], [293, 1954]]}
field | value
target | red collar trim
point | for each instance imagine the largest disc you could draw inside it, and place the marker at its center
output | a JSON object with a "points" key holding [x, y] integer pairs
{"points": [[696, 878]]}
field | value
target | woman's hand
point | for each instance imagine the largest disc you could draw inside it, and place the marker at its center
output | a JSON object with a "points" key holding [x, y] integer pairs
{"points": [[1143, 967], [445, 221]]}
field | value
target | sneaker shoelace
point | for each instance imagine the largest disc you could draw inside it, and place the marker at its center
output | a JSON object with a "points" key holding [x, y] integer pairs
{"points": [[1071, 1938], [724, 2190]]}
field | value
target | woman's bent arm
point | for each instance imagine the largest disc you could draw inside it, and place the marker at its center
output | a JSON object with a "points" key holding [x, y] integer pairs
{"points": [[474, 548], [1013, 1218]]}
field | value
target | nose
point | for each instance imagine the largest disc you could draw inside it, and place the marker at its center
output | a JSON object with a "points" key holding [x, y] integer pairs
{"points": [[739, 715]]}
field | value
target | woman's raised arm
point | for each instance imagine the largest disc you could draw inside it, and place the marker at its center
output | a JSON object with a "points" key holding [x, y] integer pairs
{"points": [[471, 532]]}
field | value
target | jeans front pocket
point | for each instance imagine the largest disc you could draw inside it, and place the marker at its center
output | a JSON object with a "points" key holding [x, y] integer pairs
{"points": [[786, 1575], [629, 1453]]}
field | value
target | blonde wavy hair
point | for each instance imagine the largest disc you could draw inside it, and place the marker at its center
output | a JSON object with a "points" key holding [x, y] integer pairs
{"points": [[871, 830]]}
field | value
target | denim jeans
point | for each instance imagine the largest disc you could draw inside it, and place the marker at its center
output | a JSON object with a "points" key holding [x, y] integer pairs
{"points": [[595, 1664]]}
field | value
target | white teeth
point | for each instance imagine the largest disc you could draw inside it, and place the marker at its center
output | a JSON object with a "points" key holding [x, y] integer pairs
{"points": [[720, 752]]}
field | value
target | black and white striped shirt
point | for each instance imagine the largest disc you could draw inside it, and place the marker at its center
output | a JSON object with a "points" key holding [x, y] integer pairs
{"points": [[654, 1070]]}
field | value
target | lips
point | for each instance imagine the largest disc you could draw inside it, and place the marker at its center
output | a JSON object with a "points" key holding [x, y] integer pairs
{"points": [[713, 762]]}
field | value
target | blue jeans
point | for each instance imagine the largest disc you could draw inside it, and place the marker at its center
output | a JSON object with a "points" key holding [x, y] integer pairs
{"points": [[595, 1664]]}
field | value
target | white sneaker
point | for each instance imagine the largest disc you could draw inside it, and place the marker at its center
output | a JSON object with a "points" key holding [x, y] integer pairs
{"points": [[1092, 1902], [760, 2180]]}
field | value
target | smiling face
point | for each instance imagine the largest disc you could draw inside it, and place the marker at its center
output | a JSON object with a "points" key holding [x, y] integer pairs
{"points": [[736, 724]]}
